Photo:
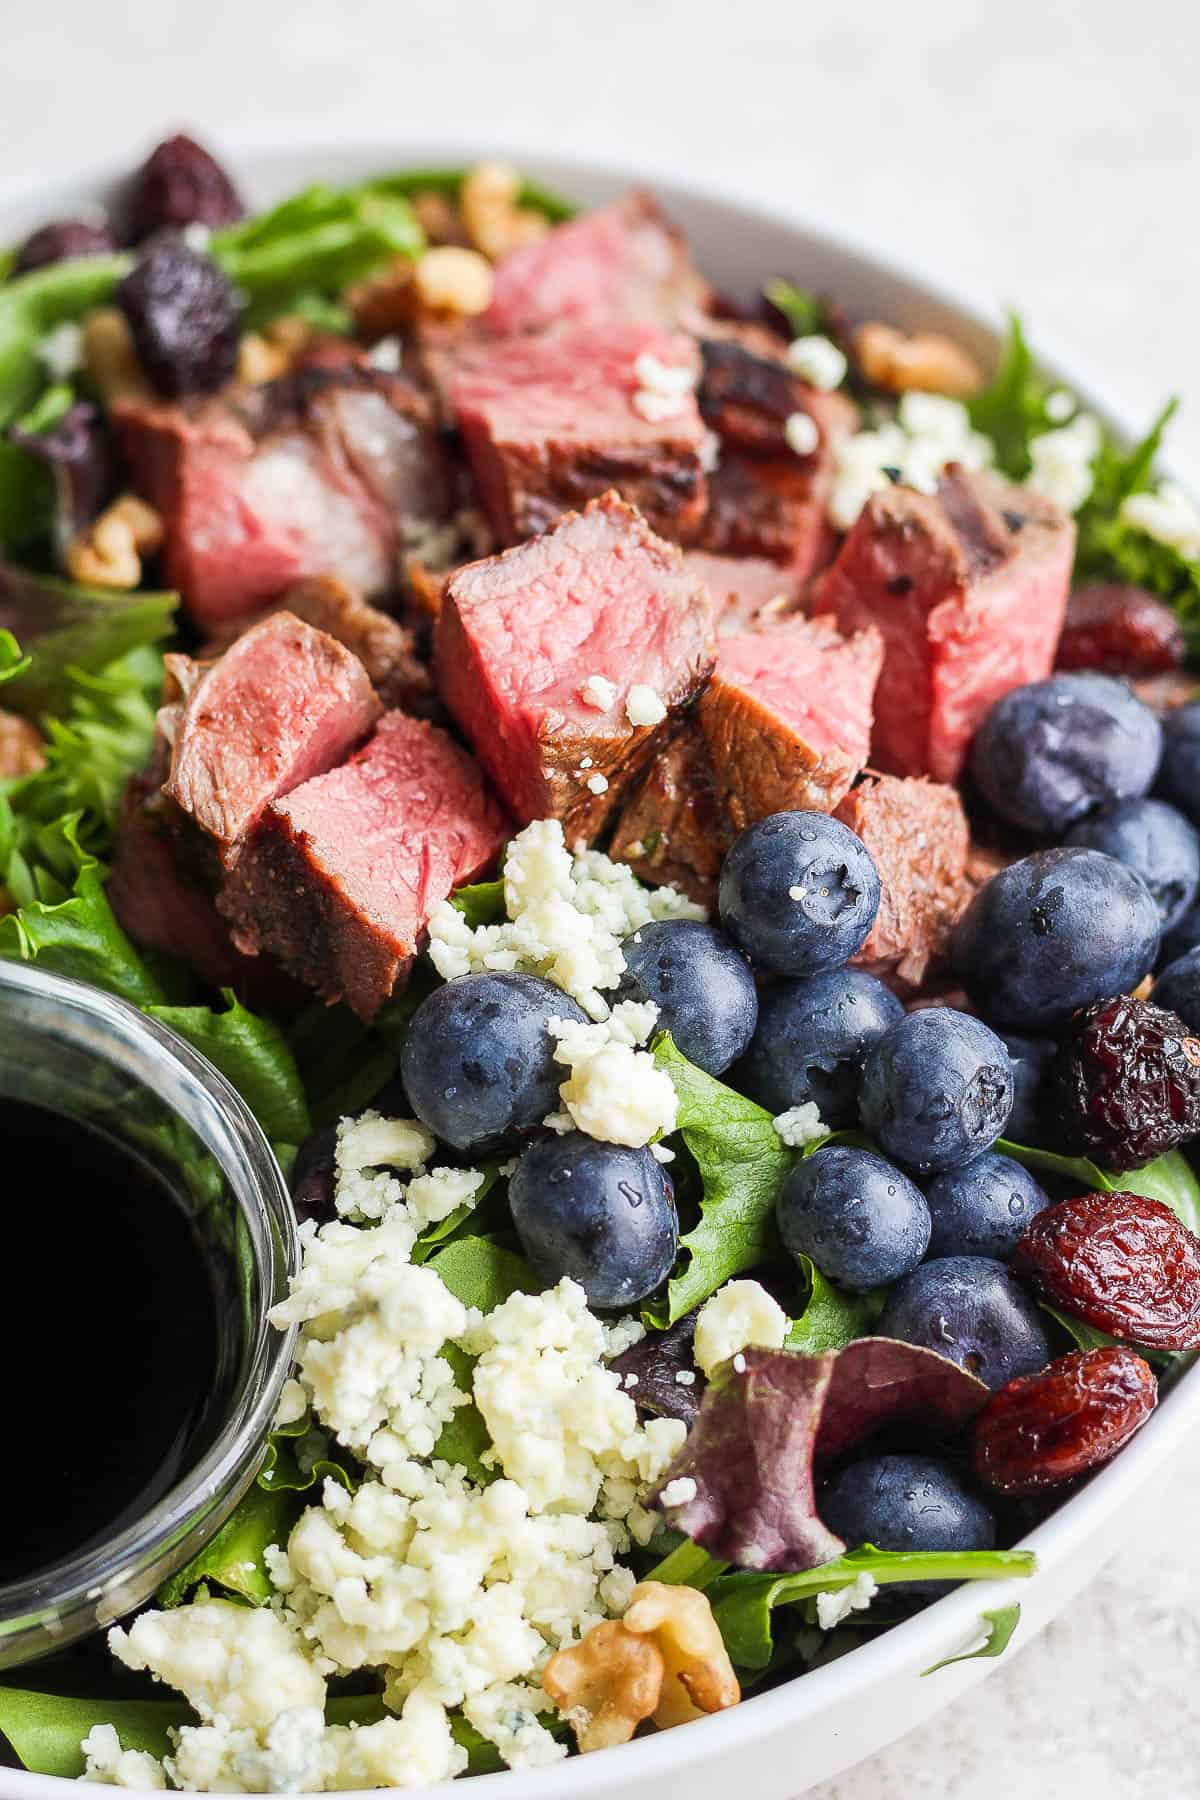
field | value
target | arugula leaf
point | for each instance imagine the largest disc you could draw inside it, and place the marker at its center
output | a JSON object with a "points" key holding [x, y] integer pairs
{"points": [[1012, 408], [46, 1730], [69, 628], [480, 1273], [33, 304], [233, 1560], [830, 1319], [319, 241], [743, 1603], [482, 903], [997, 1635], [688, 1566], [804, 312], [253, 1054], [742, 1164]]}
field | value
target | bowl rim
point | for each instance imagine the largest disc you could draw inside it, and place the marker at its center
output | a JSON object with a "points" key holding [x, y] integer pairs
{"points": [[223, 1473], [953, 1618]]}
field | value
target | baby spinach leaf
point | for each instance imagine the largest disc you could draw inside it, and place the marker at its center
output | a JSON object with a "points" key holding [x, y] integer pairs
{"points": [[997, 1635], [830, 1319], [68, 628], [743, 1603], [742, 1164], [233, 1560], [253, 1054], [482, 903], [46, 1730]]}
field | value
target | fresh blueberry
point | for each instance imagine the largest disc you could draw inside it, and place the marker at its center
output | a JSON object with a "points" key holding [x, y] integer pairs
{"points": [[1058, 930], [600, 1213], [936, 1089], [1029, 1059], [856, 1216], [982, 1209], [972, 1310], [478, 1062], [1179, 775], [701, 985], [811, 1039], [906, 1503], [1048, 753], [1182, 937], [1178, 989], [798, 893], [1154, 839]]}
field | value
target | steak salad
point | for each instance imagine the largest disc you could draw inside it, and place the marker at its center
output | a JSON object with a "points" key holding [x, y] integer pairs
{"points": [[679, 814]]}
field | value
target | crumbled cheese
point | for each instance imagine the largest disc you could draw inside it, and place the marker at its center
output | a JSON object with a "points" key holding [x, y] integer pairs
{"points": [[433, 1197], [1062, 462], [643, 706], [567, 916], [241, 1664], [663, 388], [800, 1125], [680, 1492], [928, 432], [365, 1147], [686, 1377], [800, 431], [710, 452], [818, 361], [597, 784], [661, 1153], [197, 236], [739, 1315], [834, 1607], [1060, 406], [293, 1404], [60, 351], [599, 691], [387, 355], [106, 1762], [615, 1091], [1169, 516], [739, 1363], [506, 1715], [622, 1335]]}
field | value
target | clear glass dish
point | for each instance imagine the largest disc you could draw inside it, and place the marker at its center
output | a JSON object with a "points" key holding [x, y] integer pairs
{"points": [[80, 1052]]}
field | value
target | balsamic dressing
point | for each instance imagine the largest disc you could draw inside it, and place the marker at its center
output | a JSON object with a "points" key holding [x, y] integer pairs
{"points": [[110, 1349]]}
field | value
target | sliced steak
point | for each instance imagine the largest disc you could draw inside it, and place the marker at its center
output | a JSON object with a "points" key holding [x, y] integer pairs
{"points": [[773, 508], [321, 472], [340, 876], [745, 590], [917, 834], [673, 829], [284, 703], [554, 420], [521, 635], [622, 262], [787, 717], [969, 588], [747, 395]]}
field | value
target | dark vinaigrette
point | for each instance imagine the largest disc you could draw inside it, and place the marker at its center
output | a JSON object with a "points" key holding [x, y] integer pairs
{"points": [[110, 1339]]}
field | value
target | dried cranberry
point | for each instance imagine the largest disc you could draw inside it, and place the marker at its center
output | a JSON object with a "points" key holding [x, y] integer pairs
{"points": [[1126, 1082], [79, 455], [313, 1174], [60, 242], [180, 183], [1070, 1417], [1121, 1262], [1120, 630], [184, 315]]}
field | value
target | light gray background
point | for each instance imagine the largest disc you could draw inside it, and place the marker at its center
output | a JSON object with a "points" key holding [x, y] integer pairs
{"points": [[1047, 153]]}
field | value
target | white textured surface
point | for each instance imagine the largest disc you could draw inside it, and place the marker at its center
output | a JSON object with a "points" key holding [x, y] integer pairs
{"points": [[1047, 152]]}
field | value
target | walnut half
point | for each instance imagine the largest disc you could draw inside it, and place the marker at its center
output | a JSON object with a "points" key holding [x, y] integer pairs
{"points": [[928, 362], [698, 1676], [109, 552]]}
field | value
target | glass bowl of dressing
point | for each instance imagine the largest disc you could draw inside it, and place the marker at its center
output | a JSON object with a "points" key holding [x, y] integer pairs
{"points": [[146, 1232]]}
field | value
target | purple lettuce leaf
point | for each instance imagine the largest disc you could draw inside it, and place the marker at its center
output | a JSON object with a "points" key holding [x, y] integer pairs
{"points": [[880, 1381], [656, 1362]]}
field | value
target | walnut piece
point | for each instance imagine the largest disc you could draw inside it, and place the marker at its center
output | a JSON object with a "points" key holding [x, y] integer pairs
{"points": [[453, 283], [260, 360], [489, 202], [22, 748], [698, 1675], [110, 359], [109, 552], [927, 363], [606, 1684]]}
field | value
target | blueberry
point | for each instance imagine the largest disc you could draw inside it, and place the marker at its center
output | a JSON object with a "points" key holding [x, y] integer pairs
{"points": [[702, 986], [810, 1042], [1178, 989], [185, 315], [1058, 930], [860, 1220], [600, 1213], [983, 1208], [1182, 937], [972, 1310], [798, 893], [1179, 775], [936, 1089], [1029, 1059], [906, 1503], [478, 1062], [1155, 840], [1048, 753]]}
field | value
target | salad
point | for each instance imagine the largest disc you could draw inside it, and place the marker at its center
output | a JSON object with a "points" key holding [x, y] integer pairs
{"points": [[678, 812]]}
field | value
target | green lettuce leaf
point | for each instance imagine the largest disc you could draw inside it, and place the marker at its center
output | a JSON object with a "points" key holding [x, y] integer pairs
{"points": [[1168, 1178], [46, 1730], [804, 312], [12, 662], [301, 1456], [253, 1054], [742, 1164], [68, 629], [317, 242], [482, 903], [998, 1628], [33, 304], [743, 1603], [831, 1319], [480, 1273], [233, 1560]]}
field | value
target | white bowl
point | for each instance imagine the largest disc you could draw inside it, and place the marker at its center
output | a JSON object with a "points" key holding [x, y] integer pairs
{"points": [[782, 1743]]}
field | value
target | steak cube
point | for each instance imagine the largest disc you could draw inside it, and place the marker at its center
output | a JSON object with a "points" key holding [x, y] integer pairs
{"points": [[673, 829], [772, 508], [320, 472], [283, 703], [745, 591], [787, 717], [747, 395], [552, 421], [969, 589], [538, 651], [339, 878], [621, 262], [917, 834]]}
